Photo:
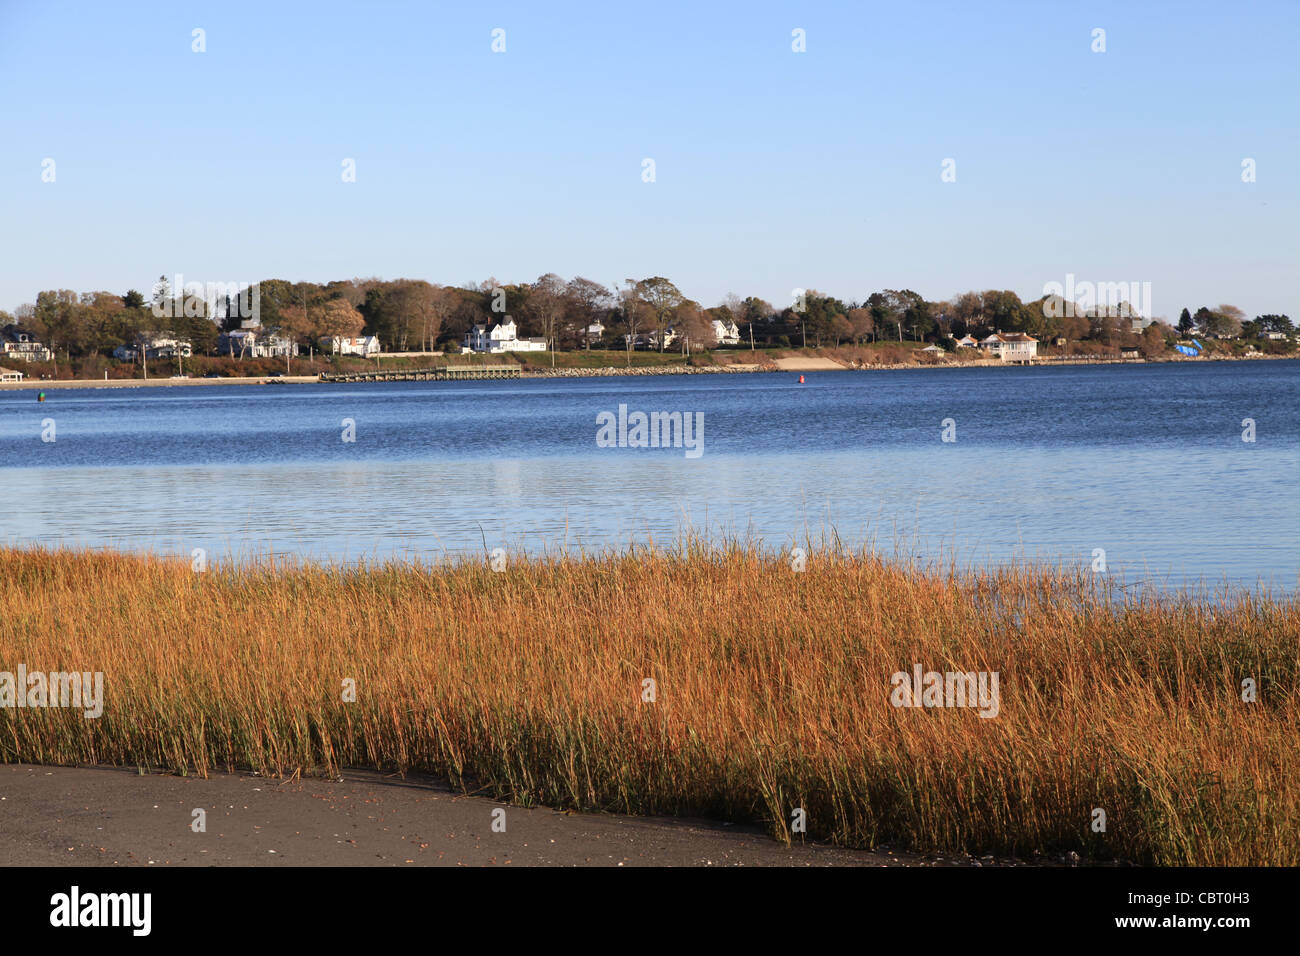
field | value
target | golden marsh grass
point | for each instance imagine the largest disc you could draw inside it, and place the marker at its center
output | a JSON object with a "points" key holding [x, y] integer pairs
{"points": [[772, 691]]}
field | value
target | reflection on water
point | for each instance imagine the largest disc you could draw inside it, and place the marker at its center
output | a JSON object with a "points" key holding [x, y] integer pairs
{"points": [[1145, 462]]}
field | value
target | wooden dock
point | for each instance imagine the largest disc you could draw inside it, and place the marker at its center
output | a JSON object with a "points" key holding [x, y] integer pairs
{"points": [[441, 374]]}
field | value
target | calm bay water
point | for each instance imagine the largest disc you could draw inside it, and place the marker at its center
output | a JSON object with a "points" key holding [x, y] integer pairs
{"points": [[1146, 462]]}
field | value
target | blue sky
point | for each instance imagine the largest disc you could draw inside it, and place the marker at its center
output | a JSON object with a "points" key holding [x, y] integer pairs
{"points": [[774, 169]]}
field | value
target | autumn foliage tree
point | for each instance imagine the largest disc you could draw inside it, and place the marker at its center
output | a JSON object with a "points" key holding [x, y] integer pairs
{"points": [[662, 299]]}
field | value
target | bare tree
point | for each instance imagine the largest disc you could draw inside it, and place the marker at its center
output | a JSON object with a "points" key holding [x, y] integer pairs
{"points": [[1226, 321], [589, 304], [735, 305], [418, 308], [694, 326], [547, 303], [861, 324], [635, 313], [841, 327]]}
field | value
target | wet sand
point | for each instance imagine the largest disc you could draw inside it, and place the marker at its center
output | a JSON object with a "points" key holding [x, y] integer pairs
{"points": [[808, 364], [60, 816]]}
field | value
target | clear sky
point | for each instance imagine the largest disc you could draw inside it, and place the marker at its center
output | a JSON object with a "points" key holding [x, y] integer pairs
{"points": [[773, 169]]}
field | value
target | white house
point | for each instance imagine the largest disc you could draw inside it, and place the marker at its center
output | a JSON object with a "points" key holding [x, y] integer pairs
{"points": [[18, 344], [155, 347], [650, 340], [165, 348], [594, 332], [10, 375], [274, 346], [255, 342], [501, 337], [350, 344], [967, 342], [1011, 346], [726, 332]]}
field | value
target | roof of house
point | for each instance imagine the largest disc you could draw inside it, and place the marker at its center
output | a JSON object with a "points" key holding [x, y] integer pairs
{"points": [[15, 333]]}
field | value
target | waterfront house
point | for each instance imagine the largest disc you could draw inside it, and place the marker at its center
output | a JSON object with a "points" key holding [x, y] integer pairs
{"points": [[650, 340], [275, 345], [502, 337], [17, 344], [10, 375], [236, 343], [1011, 346], [1129, 352], [168, 348], [726, 332], [364, 345], [594, 332], [154, 347], [967, 342], [252, 341]]}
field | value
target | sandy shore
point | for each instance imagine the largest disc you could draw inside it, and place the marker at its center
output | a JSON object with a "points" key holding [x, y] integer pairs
{"points": [[109, 817], [806, 364]]}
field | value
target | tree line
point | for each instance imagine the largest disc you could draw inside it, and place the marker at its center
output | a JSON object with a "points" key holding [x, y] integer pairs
{"points": [[416, 315]]}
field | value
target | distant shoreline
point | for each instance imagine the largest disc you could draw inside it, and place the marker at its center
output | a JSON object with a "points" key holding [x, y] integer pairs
{"points": [[42, 384], [789, 364]]}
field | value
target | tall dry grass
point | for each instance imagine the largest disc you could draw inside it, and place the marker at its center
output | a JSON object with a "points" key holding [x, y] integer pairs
{"points": [[772, 691]]}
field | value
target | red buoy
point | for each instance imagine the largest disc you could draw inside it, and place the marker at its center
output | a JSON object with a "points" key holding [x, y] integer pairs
{"points": [[800, 379]]}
